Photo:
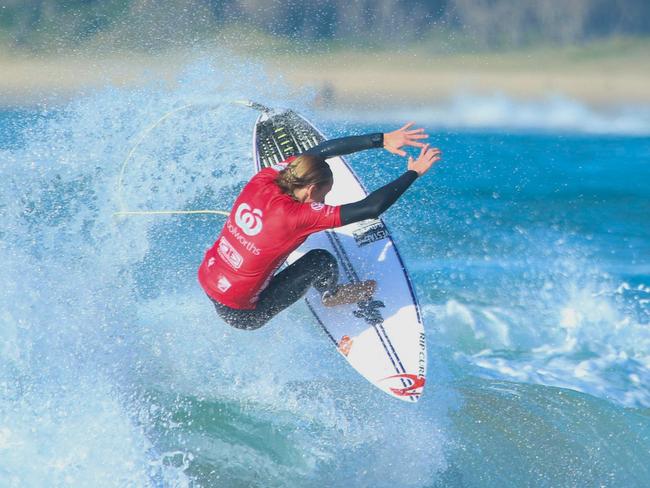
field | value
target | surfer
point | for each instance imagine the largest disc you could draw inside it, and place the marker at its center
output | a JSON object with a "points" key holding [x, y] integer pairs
{"points": [[275, 213]]}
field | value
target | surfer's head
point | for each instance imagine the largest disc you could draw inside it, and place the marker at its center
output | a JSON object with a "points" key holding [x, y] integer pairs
{"points": [[308, 178]]}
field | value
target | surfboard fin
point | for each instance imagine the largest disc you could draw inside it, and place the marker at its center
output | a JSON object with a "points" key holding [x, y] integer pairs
{"points": [[349, 293], [254, 106]]}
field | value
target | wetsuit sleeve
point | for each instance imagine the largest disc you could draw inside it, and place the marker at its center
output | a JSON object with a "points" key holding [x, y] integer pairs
{"points": [[347, 145], [378, 201]]}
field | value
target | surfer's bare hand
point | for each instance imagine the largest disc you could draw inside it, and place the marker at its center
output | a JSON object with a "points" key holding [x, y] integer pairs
{"points": [[404, 136], [427, 158]]}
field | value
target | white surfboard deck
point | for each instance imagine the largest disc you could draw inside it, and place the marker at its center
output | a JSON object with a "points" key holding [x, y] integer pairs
{"points": [[382, 338]]}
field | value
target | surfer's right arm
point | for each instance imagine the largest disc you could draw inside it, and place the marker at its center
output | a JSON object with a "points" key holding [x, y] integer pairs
{"points": [[391, 141], [380, 200], [347, 145]]}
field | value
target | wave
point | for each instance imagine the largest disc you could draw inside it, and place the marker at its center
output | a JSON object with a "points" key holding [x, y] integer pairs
{"points": [[574, 328], [516, 434], [114, 367], [500, 112]]}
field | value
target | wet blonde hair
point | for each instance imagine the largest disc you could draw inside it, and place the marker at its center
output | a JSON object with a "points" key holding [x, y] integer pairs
{"points": [[303, 171]]}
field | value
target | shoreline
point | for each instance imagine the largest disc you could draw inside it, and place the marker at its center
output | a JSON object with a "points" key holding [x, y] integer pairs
{"points": [[353, 79]]}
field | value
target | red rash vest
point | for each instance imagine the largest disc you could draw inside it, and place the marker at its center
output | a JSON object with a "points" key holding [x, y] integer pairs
{"points": [[263, 228]]}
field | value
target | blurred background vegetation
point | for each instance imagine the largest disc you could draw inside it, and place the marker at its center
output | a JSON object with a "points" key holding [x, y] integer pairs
{"points": [[37, 26], [354, 51]]}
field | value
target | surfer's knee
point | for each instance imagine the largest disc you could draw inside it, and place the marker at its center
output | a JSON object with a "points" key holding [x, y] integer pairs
{"points": [[322, 257], [323, 269]]}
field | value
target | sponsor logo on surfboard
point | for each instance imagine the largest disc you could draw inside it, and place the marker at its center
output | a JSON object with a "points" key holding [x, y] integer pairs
{"points": [[422, 355], [249, 220], [369, 311], [370, 232], [345, 344], [415, 388]]}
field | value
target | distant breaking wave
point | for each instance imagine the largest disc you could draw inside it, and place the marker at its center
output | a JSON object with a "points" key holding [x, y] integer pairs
{"points": [[552, 114]]}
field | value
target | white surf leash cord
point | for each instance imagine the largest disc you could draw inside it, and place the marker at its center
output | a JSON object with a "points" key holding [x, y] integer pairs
{"points": [[125, 213]]}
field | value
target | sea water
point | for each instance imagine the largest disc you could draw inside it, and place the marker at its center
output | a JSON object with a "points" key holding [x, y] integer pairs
{"points": [[528, 245]]}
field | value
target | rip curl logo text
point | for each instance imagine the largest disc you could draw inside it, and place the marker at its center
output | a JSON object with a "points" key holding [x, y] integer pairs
{"points": [[249, 220], [229, 254], [417, 382]]}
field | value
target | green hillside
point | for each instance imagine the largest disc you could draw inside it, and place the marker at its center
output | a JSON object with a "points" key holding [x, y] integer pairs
{"points": [[444, 25]]}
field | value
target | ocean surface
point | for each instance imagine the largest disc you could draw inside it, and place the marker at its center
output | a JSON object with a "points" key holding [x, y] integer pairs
{"points": [[528, 245]]}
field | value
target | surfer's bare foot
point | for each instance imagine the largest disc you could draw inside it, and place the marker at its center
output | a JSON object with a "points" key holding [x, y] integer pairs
{"points": [[349, 293]]}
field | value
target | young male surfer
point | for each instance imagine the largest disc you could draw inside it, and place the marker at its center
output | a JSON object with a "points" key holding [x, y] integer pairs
{"points": [[274, 214]]}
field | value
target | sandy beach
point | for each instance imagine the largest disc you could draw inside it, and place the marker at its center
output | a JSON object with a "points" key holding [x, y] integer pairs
{"points": [[618, 74]]}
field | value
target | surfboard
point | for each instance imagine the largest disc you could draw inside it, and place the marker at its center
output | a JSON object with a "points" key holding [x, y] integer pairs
{"points": [[382, 338]]}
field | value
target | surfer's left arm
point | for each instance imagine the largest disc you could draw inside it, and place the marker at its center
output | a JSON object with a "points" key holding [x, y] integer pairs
{"points": [[380, 200], [391, 141]]}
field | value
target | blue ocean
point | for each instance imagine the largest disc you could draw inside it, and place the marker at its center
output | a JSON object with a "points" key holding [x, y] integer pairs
{"points": [[528, 246]]}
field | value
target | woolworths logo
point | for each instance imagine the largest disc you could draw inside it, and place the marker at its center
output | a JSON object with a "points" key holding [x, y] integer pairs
{"points": [[249, 220]]}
